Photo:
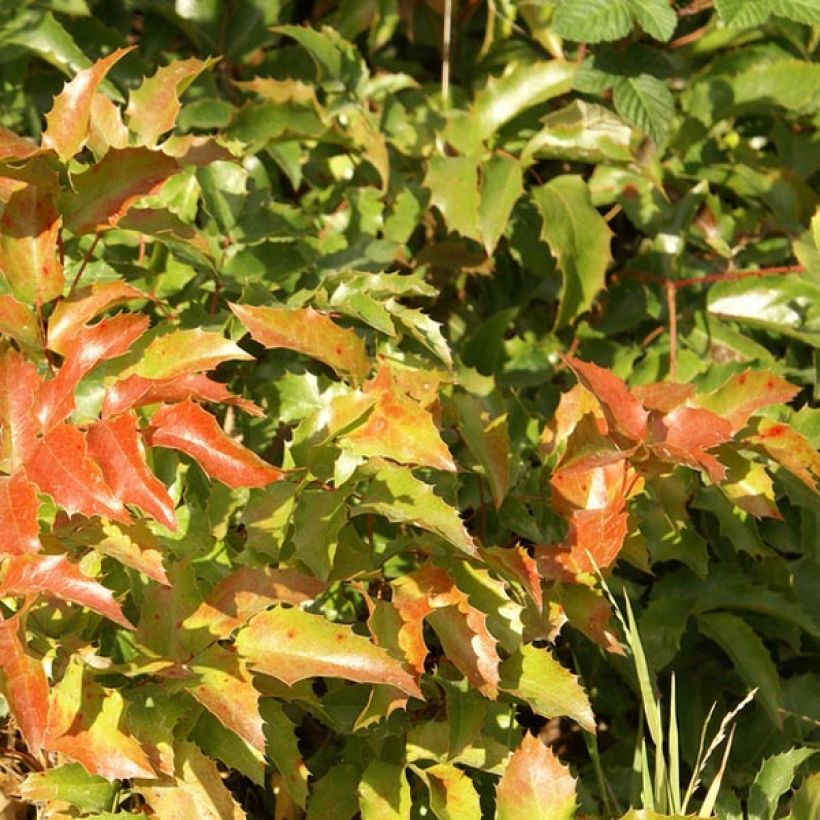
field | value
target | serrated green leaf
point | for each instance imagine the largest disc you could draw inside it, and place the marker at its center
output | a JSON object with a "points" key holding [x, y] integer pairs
{"points": [[502, 183], [646, 101], [71, 784], [453, 184], [656, 17], [773, 779], [593, 21]]}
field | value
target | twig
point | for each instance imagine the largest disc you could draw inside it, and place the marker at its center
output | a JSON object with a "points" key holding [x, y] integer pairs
{"points": [[689, 38], [27, 758], [672, 310], [83, 264], [710, 278], [445, 48], [695, 8]]}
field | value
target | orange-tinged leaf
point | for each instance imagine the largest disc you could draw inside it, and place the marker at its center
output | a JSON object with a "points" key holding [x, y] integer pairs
{"points": [[663, 396], [137, 391], [462, 629], [29, 261], [104, 193], [18, 512], [591, 613], [131, 544], [249, 591], [107, 339], [535, 785], [599, 533], [56, 575], [190, 429], [310, 332], [59, 465], [224, 687], [19, 384], [685, 434], [19, 322], [196, 790], [745, 393], [67, 122], [105, 127], [788, 448], [185, 351], [292, 645], [99, 738], [516, 563], [398, 428], [71, 314], [26, 686], [623, 412], [153, 107], [452, 793], [14, 147], [117, 447], [592, 489], [191, 149], [573, 405]]}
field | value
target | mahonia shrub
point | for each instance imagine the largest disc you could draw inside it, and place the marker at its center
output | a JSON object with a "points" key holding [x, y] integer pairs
{"points": [[312, 489]]}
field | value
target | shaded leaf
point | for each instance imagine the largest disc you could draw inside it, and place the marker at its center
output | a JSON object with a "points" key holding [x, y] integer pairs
{"points": [[292, 645], [18, 512], [190, 429], [502, 183], [56, 575], [453, 184], [283, 750], [307, 331]]}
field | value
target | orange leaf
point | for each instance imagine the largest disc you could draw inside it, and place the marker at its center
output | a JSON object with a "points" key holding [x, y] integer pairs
{"points": [[663, 396], [56, 575], [67, 122], [789, 448], [398, 428], [307, 331], [118, 450], [14, 147], [19, 383], [60, 466], [71, 314], [29, 262], [188, 428], [26, 686], [535, 785], [105, 126], [18, 512]]}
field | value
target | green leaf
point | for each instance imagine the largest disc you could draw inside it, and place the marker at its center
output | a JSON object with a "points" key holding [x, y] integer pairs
{"points": [[772, 780], [593, 21], [806, 803], [534, 675], [452, 793], [579, 239], [384, 792], [744, 13], [399, 496], [750, 657], [332, 795], [656, 17], [802, 11], [318, 518], [71, 784], [502, 183], [520, 88], [42, 34], [453, 184], [646, 101], [224, 192], [283, 750]]}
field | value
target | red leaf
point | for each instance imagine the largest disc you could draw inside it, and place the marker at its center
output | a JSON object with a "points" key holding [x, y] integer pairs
{"points": [[188, 428], [60, 466], [18, 512], [248, 591], [19, 384], [117, 448], [29, 262], [67, 122], [739, 397], [623, 412], [71, 314], [106, 340], [137, 391], [26, 685], [104, 193], [599, 533], [55, 575], [684, 435]]}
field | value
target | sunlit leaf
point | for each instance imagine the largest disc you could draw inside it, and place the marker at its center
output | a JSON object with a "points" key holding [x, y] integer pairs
{"points": [[18, 512], [19, 322], [789, 448], [19, 383]]}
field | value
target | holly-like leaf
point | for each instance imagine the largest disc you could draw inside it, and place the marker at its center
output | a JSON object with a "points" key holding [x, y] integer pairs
{"points": [[502, 183], [745, 393], [29, 261], [133, 545], [67, 122], [579, 239], [185, 351], [137, 391], [70, 315], [191, 430], [19, 384], [788, 448], [105, 126], [310, 332], [224, 687], [536, 785], [18, 512], [535, 676], [623, 412], [103, 194], [116, 446], [452, 793], [59, 465], [56, 575], [107, 339], [196, 790], [292, 645], [462, 629], [399, 496], [398, 428], [249, 591], [25, 686], [153, 107], [19, 322]]}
